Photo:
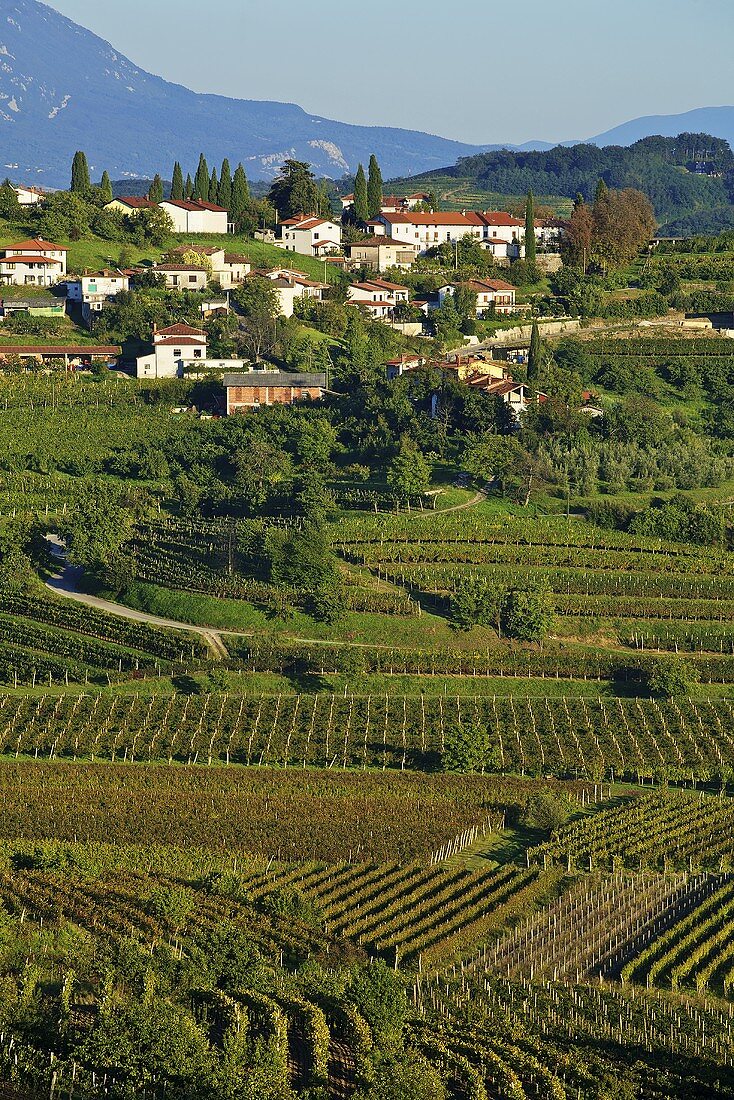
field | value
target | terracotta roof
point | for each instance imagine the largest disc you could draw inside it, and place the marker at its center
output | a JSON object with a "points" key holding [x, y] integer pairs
{"points": [[193, 204], [323, 244], [385, 285], [38, 244], [380, 240], [233, 258], [180, 341], [200, 249], [14, 259], [137, 202], [496, 284], [180, 329]]}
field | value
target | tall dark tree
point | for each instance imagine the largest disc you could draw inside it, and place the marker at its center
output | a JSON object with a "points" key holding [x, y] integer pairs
{"points": [[601, 191], [530, 229], [294, 190], [535, 354], [202, 180], [224, 196], [240, 197], [177, 182], [189, 188], [155, 192], [106, 186], [361, 208], [374, 188], [80, 173], [213, 186]]}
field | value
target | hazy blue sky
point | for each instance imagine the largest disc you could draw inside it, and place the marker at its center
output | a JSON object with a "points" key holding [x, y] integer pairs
{"points": [[475, 70]]}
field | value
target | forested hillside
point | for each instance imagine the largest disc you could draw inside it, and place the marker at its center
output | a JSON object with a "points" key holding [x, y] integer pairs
{"points": [[689, 178]]}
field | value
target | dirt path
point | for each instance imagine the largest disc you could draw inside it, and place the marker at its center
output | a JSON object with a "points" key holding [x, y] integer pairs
{"points": [[66, 583]]}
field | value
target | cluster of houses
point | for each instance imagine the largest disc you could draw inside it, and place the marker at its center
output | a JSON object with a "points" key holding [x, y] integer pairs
{"points": [[404, 230]]}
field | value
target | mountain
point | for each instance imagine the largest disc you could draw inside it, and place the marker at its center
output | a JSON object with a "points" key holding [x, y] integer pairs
{"points": [[62, 88], [703, 120]]}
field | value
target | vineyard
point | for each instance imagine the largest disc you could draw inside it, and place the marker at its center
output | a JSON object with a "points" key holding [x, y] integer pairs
{"points": [[44, 640], [676, 740]]}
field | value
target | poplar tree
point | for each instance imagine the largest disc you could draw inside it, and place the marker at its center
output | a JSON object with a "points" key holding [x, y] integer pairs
{"points": [[202, 180], [374, 188], [155, 194], [106, 186], [80, 173], [224, 197], [530, 229], [177, 183], [361, 209]]}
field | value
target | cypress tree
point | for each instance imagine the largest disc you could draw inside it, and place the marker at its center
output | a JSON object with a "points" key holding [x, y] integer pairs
{"points": [[530, 229], [202, 180], [189, 188], [224, 198], [177, 183], [361, 209], [155, 193], [601, 191], [535, 354], [374, 188], [106, 186], [240, 196], [80, 173], [213, 186]]}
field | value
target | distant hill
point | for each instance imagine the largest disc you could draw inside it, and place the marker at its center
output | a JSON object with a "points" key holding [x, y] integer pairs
{"points": [[689, 178], [702, 120], [62, 88]]}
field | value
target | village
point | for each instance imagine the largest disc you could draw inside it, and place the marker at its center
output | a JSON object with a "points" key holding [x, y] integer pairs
{"points": [[404, 231]]}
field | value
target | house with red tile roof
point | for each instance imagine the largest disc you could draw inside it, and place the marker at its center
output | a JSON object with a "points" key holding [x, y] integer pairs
{"points": [[32, 263], [491, 294], [310, 236], [129, 204], [180, 350], [196, 216]]}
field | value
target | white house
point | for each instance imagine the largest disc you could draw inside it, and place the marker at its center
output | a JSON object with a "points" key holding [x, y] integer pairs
{"points": [[32, 263], [228, 268], [377, 297], [194, 216], [179, 350], [183, 276], [29, 196], [310, 236], [92, 291], [427, 231], [379, 252], [516, 395], [292, 286], [130, 204], [490, 293]]}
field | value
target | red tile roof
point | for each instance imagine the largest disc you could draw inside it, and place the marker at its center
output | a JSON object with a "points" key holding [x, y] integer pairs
{"points": [[137, 202], [179, 341], [193, 204], [16, 259], [180, 329], [36, 244]]}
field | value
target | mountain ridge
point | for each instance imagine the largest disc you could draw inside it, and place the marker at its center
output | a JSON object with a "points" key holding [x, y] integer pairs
{"points": [[56, 77]]}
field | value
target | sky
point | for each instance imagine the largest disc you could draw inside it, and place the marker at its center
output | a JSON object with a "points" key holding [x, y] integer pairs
{"points": [[475, 70]]}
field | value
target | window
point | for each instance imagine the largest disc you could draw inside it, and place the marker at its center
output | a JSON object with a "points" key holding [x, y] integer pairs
{"points": [[197, 353], [177, 353], [192, 278]]}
